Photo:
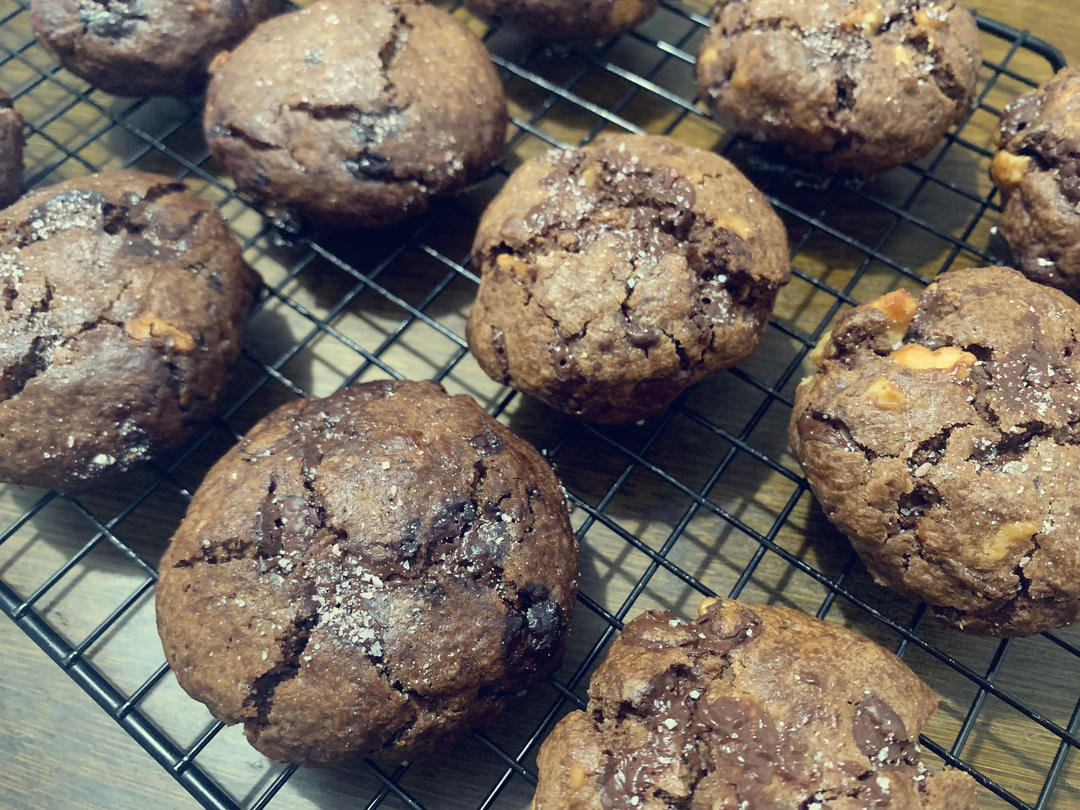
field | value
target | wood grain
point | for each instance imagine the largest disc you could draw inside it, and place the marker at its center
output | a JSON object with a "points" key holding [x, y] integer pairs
{"points": [[61, 751]]}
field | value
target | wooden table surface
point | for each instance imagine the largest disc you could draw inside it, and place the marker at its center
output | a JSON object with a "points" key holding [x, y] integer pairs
{"points": [[58, 750]]}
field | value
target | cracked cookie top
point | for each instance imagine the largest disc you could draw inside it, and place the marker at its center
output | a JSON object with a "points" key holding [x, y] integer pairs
{"points": [[569, 19], [857, 85], [355, 112], [11, 151], [942, 435], [122, 299], [748, 706], [144, 47], [1038, 172], [616, 275], [368, 574]]}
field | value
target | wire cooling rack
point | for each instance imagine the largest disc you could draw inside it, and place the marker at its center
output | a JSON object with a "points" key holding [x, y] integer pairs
{"points": [[701, 499]]}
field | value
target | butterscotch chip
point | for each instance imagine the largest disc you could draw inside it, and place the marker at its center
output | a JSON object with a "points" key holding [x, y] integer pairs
{"points": [[578, 775], [1004, 541], [946, 358], [748, 706], [885, 394], [705, 604], [149, 325], [854, 86], [1038, 172], [615, 276], [355, 112], [964, 494], [818, 352], [368, 574], [148, 47], [124, 297], [898, 307], [865, 20], [568, 19], [626, 14], [1008, 170]]}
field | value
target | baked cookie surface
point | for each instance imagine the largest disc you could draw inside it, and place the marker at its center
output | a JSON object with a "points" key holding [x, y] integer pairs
{"points": [[855, 85], [569, 19], [942, 436], [1038, 172], [147, 47], [11, 151], [616, 275], [749, 706], [122, 300], [363, 111], [368, 574]]}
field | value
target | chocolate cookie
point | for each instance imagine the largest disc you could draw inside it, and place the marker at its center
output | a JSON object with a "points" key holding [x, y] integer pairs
{"points": [[355, 112], [749, 706], [122, 298], [1038, 172], [857, 85], [942, 435], [368, 574], [145, 47], [569, 19], [616, 275], [11, 151]]}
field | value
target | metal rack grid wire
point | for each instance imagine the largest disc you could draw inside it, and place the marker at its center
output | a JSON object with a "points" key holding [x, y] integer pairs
{"points": [[701, 499]]}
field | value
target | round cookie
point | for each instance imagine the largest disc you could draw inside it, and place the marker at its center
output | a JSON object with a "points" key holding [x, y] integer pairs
{"points": [[616, 275], [942, 436], [368, 574], [748, 706], [569, 19], [122, 299], [1038, 172], [149, 47], [856, 85], [11, 151], [355, 112]]}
